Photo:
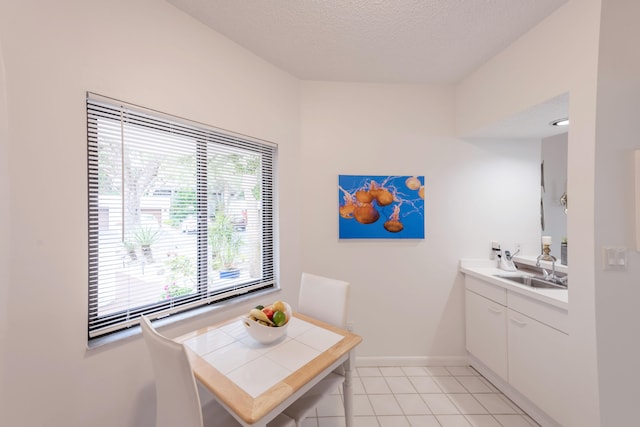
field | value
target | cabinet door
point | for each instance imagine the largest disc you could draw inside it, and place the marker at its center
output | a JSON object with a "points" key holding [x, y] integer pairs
{"points": [[538, 364], [486, 327]]}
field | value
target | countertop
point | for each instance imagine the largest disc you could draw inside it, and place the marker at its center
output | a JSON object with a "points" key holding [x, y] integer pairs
{"points": [[486, 270]]}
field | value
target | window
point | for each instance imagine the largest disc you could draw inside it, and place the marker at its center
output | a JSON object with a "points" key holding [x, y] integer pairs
{"points": [[180, 214]]}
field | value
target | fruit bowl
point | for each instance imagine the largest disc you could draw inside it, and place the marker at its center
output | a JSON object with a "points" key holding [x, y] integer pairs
{"points": [[264, 334], [267, 334]]}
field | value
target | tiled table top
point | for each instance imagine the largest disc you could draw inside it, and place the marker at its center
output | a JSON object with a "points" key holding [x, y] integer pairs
{"points": [[253, 379], [257, 367]]}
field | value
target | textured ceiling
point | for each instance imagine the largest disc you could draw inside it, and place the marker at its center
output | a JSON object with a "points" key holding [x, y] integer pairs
{"points": [[392, 41], [386, 41], [534, 122]]}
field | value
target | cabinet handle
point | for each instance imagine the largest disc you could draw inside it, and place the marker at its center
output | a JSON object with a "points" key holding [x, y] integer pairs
{"points": [[494, 310], [518, 322]]}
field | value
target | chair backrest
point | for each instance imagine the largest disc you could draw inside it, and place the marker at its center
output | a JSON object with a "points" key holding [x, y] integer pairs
{"points": [[177, 399], [324, 298]]}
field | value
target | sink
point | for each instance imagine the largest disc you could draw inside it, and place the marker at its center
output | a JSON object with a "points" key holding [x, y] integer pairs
{"points": [[533, 282]]}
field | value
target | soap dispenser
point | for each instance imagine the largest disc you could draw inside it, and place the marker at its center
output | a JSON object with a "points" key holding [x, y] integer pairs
{"points": [[506, 262]]}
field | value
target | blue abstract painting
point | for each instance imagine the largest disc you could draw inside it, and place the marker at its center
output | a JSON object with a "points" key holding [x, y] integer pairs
{"points": [[381, 207]]}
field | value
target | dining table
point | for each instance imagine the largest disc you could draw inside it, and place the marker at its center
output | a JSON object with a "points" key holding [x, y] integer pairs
{"points": [[255, 382]]}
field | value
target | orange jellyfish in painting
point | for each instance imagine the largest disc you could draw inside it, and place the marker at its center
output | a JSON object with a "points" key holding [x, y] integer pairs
{"points": [[421, 192], [412, 183], [346, 210], [363, 203], [393, 224], [383, 196], [359, 205], [364, 196], [365, 213]]}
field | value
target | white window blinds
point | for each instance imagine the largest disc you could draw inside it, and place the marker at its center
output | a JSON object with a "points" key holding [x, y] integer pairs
{"points": [[180, 214]]}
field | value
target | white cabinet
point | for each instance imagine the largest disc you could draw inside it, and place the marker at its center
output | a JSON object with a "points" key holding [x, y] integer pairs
{"points": [[538, 364], [486, 327], [523, 341]]}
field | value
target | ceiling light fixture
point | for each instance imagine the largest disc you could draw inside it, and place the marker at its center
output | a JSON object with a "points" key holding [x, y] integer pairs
{"points": [[560, 122]]}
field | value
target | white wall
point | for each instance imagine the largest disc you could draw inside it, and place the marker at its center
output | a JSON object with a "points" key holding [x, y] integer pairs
{"points": [[4, 230], [535, 68], [475, 193], [557, 56], [146, 52], [617, 130], [140, 51]]}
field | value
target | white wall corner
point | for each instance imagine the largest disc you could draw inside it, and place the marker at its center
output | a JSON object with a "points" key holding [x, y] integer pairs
{"points": [[637, 197]]}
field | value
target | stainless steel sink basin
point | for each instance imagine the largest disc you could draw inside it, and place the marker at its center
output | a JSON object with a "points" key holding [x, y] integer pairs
{"points": [[533, 282]]}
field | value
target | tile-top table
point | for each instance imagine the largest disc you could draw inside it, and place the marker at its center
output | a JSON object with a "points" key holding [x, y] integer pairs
{"points": [[255, 382]]}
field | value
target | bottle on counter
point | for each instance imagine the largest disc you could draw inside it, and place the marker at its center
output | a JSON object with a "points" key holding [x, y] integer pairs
{"points": [[563, 252]]}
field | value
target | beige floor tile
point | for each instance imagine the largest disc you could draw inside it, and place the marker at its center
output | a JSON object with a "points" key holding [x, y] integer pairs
{"points": [[416, 396]]}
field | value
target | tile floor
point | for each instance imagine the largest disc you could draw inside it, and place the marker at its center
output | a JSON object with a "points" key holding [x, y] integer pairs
{"points": [[421, 397]]}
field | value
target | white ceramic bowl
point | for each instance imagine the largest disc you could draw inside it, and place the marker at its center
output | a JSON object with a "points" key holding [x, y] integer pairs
{"points": [[262, 333], [266, 334]]}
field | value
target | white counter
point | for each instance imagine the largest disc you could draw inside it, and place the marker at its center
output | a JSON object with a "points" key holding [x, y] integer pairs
{"points": [[487, 270]]}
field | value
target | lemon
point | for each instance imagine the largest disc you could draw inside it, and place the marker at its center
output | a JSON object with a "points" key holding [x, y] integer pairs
{"points": [[278, 306], [279, 318]]}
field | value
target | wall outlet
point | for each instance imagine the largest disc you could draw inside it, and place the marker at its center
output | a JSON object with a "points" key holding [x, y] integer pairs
{"points": [[495, 249]]}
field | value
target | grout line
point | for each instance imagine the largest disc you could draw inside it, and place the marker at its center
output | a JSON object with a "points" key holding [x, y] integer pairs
{"points": [[400, 372]]}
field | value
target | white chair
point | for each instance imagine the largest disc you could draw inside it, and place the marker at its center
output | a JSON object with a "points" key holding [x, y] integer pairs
{"points": [[324, 299], [327, 300], [177, 398]]}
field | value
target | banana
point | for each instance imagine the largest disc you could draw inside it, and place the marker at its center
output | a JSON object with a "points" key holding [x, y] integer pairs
{"points": [[258, 314]]}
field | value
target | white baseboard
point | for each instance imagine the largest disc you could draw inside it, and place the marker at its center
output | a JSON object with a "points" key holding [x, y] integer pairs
{"points": [[412, 361]]}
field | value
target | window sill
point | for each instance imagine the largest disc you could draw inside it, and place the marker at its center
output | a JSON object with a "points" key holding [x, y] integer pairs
{"points": [[173, 319]]}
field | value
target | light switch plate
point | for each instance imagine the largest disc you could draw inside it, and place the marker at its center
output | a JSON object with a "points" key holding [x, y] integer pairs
{"points": [[614, 258]]}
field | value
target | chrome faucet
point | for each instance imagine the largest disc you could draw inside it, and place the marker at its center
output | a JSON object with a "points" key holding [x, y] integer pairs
{"points": [[545, 256]]}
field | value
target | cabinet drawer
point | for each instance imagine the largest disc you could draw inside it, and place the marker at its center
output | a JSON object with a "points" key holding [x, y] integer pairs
{"points": [[552, 316], [486, 289]]}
